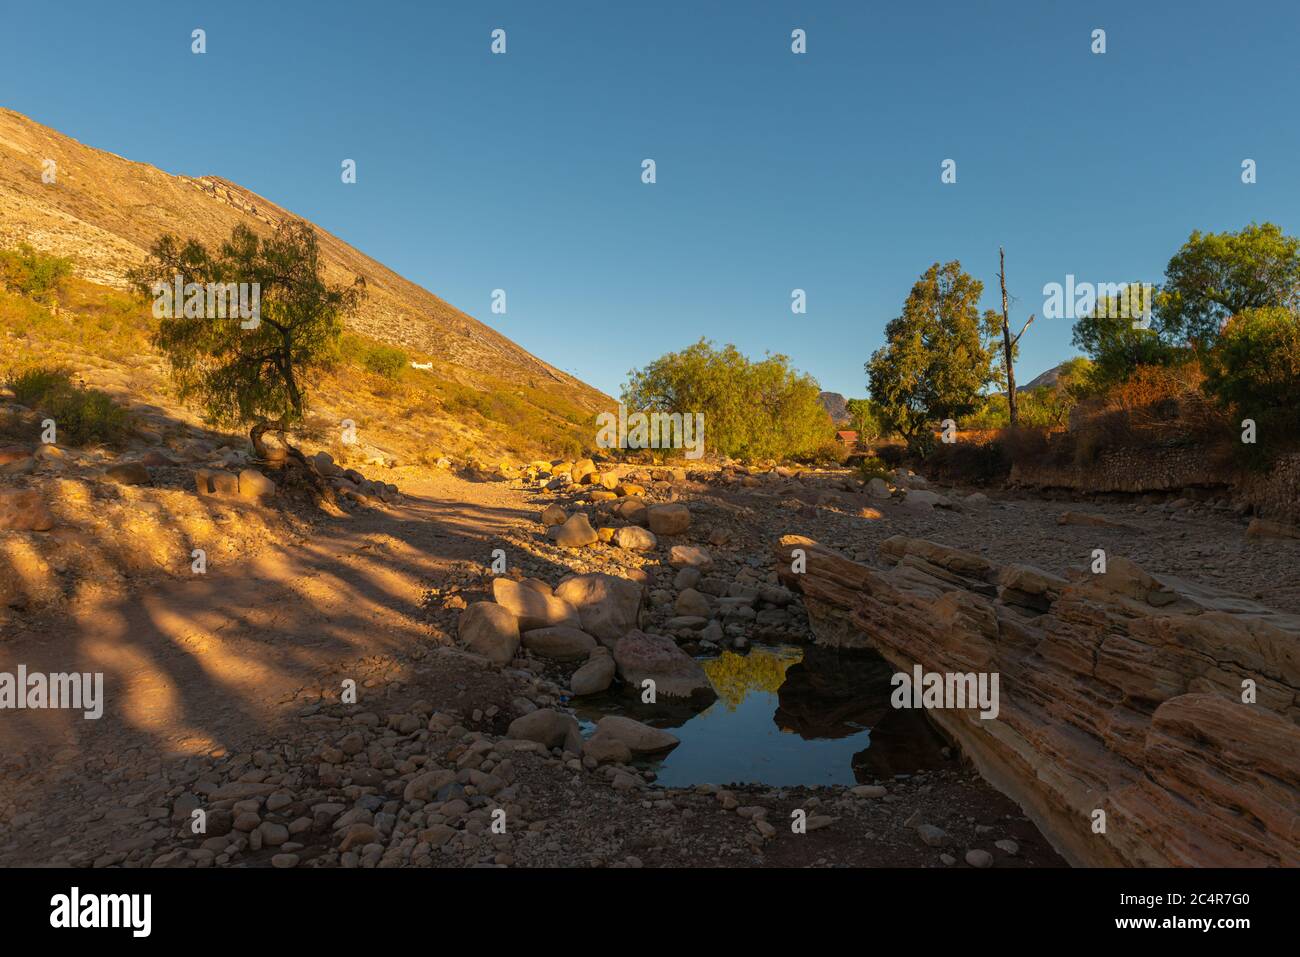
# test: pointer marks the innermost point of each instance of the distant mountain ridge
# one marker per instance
(1048, 378)
(837, 406)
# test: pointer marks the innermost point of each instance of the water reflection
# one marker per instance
(786, 715)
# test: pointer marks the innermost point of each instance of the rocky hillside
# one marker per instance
(104, 211)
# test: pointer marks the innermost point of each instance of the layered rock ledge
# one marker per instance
(1119, 692)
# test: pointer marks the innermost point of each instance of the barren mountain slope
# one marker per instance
(105, 211)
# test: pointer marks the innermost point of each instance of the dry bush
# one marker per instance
(1156, 407)
(970, 462)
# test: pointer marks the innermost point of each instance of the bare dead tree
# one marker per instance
(1008, 343)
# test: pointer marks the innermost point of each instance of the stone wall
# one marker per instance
(1274, 495)
(1119, 693)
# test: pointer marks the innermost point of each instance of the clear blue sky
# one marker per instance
(775, 171)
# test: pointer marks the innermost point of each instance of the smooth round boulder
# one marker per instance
(574, 533)
(671, 519)
(559, 643)
(533, 605)
(692, 556)
(549, 728)
(692, 602)
(604, 749)
(635, 538)
(254, 486)
(640, 656)
(607, 606)
(490, 630)
(595, 676)
(127, 473)
(640, 738)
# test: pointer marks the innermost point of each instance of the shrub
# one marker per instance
(891, 454)
(872, 466)
(81, 415)
(33, 274)
(972, 463)
(386, 361)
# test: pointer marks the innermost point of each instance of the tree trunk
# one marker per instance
(259, 429)
(1006, 340)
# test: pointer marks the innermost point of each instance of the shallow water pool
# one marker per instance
(785, 715)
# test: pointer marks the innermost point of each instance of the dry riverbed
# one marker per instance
(224, 694)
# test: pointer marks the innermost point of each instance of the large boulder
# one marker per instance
(639, 738)
(606, 750)
(254, 486)
(632, 511)
(692, 602)
(24, 510)
(693, 556)
(607, 606)
(547, 727)
(878, 488)
(560, 643)
(671, 519)
(596, 675)
(489, 630)
(634, 538)
(923, 499)
(1263, 528)
(676, 674)
(127, 473)
(533, 604)
(216, 482)
(428, 783)
(574, 533)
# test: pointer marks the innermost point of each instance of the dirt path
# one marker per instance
(191, 666)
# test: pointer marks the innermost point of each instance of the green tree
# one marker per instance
(238, 372)
(1254, 368)
(752, 410)
(867, 419)
(1118, 343)
(938, 355)
(1218, 275)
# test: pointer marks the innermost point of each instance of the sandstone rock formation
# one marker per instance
(1114, 696)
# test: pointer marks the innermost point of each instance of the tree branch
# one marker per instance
(1022, 330)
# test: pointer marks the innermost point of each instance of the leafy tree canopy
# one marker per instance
(242, 373)
(1218, 275)
(763, 409)
(938, 355)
